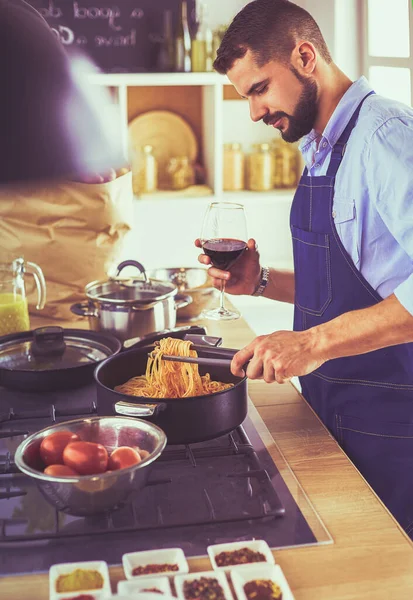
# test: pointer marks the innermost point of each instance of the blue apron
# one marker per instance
(365, 401)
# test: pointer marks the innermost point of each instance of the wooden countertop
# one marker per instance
(371, 557)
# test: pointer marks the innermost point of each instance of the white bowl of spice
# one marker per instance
(203, 586)
(261, 582)
(236, 554)
(168, 561)
(77, 578)
(154, 585)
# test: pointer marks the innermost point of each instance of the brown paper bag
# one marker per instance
(73, 231)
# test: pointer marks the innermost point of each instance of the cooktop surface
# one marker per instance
(227, 489)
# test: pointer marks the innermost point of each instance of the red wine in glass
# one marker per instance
(224, 252)
(223, 239)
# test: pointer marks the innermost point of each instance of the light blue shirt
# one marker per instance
(373, 199)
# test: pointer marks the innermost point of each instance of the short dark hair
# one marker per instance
(270, 29)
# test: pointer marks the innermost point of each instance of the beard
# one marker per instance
(302, 121)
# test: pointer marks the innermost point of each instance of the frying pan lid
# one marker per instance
(54, 348)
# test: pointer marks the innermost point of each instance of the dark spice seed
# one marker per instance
(204, 588)
(238, 557)
(155, 568)
(262, 589)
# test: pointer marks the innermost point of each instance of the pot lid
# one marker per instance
(130, 291)
(54, 348)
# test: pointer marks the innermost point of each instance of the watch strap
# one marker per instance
(263, 282)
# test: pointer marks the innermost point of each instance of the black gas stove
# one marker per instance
(227, 489)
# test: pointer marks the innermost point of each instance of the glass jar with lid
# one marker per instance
(286, 163)
(260, 168)
(181, 172)
(234, 167)
(144, 171)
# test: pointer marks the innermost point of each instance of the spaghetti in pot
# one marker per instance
(168, 379)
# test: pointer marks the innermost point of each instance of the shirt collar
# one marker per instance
(341, 115)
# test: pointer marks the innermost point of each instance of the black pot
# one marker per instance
(51, 358)
(184, 420)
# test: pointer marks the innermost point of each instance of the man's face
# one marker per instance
(277, 94)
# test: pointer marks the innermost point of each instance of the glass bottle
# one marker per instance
(234, 167)
(166, 58)
(202, 44)
(183, 42)
(145, 171)
(260, 168)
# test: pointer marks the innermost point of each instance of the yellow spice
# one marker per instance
(79, 580)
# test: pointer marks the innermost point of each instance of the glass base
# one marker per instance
(220, 314)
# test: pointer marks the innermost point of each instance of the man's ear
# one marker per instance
(304, 58)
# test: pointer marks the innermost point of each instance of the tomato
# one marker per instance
(52, 446)
(87, 458)
(143, 453)
(60, 471)
(123, 457)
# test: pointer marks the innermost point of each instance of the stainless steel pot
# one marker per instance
(133, 307)
(193, 281)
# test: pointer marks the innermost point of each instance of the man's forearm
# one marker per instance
(280, 286)
(357, 332)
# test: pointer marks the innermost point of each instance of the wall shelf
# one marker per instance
(158, 79)
(164, 225)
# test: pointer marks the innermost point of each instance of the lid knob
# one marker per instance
(48, 341)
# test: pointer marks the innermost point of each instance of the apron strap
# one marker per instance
(340, 146)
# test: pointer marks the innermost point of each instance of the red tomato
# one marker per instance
(60, 471)
(143, 453)
(52, 446)
(123, 457)
(87, 458)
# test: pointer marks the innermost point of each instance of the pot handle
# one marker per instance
(131, 263)
(128, 409)
(182, 300)
(82, 309)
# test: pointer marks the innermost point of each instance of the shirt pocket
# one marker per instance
(345, 221)
(313, 292)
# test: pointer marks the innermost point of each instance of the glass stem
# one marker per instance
(222, 306)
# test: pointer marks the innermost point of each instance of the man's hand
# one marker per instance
(279, 356)
(244, 275)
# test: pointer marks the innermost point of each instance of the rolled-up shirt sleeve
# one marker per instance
(390, 180)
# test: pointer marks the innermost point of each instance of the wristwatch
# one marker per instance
(263, 282)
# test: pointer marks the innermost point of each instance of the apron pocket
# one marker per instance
(312, 271)
(383, 453)
(345, 221)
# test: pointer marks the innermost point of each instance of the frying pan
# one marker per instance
(184, 420)
(53, 358)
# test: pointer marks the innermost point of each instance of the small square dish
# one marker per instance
(154, 563)
(214, 578)
(157, 585)
(90, 595)
(59, 576)
(236, 554)
(270, 578)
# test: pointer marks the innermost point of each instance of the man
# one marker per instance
(352, 230)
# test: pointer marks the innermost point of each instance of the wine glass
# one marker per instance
(223, 239)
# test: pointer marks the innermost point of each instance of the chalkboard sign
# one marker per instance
(122, 36)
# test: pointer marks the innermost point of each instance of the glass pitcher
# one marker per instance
(14, 312)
